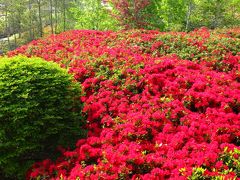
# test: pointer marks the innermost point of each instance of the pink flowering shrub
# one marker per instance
(158, 105)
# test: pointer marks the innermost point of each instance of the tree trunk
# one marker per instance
(15, 40)
(7, 28)
(188, 15)
(64, 15)
(40, 18)
(31, 35)
(56, 15)
(51, 15)
(19, 25)
(217, 15)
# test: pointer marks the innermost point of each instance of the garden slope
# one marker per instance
(158, 104)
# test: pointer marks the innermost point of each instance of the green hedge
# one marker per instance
(40, 109)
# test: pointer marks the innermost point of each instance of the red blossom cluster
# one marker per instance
(150, 114)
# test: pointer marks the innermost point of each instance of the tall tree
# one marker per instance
(64, 14)
(7, 25)
(92, 14)
(190, 6)
(6, 13)
(30, 21)
(56, 16)
(40, 26)
(51, 15)
(129, 12)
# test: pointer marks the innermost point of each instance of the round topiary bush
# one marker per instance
(40, 109)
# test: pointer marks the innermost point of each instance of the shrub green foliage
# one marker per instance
(39, 110)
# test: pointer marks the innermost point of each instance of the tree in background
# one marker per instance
(176, 15)
(131, 13)
(172, 13)
(233, 16)
(12, 17)
(40, 24)
(190, 6)
(215, 13)
(164, 15)
(29, 21)
(92, 14)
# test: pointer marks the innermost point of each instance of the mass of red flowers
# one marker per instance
(158, 105)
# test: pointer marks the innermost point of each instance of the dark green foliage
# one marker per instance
(40, 109)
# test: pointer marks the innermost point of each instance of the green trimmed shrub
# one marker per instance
(40, 108)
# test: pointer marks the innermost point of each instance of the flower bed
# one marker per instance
(158, 105)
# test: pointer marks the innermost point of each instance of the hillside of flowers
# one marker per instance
(158, 105)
